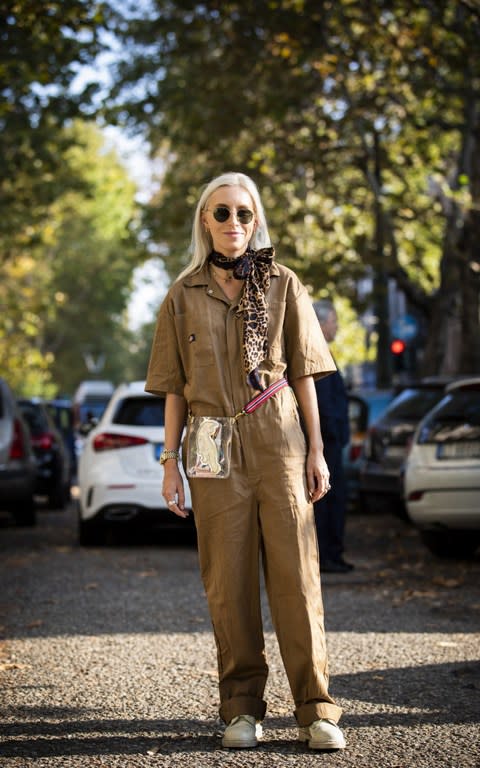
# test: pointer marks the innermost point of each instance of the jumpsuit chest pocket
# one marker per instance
(196, 341)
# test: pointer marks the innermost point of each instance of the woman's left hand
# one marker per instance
(318, 475)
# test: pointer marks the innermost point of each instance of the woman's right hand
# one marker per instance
(172, 489)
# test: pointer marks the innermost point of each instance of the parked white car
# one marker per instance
(442, 472)
(119, 476)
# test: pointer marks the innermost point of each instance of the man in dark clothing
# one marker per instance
(333, 408)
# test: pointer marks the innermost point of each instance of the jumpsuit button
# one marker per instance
(210, 291)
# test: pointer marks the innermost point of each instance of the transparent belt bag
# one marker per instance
(209, 446)
(209, 438)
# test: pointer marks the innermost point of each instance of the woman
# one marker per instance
(233, 325)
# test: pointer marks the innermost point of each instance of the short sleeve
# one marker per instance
(165, 372)
(306, 349)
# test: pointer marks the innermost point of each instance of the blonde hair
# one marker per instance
(201, 244)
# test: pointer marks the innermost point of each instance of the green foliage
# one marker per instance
(69, 222)
(351, 116)
(41, 48)
(358, 120)
(67, 298)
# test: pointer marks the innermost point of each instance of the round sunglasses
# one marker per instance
(221, 213)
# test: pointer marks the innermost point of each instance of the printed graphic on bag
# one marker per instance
(209, 446)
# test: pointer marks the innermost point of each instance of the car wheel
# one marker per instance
(58, 497)
(451, 543)
(368, 503)
(363, 503)
(25, 514)
(90, 533)
(399, 509)
(67, 492)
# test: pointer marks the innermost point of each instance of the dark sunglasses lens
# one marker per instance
(244, 216)
(221, 213)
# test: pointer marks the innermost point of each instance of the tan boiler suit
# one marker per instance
(262, 508)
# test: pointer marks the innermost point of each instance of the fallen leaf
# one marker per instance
(34, 623)
(449, 583)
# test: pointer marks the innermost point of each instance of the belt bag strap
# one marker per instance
(262, 398)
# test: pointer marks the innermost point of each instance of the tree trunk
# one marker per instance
(470, 356)
(453, 340)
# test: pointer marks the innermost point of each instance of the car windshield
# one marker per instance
(377, 405)
(456, 418)
(35, 417)
(62, 416)
(141, 412)
(413, 403)
(93, 408)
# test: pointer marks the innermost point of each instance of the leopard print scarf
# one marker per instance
(254, 268)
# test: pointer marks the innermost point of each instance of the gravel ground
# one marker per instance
(107, 658)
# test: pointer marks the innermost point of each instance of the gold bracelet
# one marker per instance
(165, 455)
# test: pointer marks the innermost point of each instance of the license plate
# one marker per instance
(470, 450)
(158, 448)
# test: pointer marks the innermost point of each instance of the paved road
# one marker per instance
(107, 659)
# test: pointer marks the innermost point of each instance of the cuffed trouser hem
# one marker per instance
(308, 713)
(243, 705)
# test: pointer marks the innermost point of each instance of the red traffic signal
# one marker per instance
(397, 346)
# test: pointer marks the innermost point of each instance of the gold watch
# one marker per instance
(168, 455)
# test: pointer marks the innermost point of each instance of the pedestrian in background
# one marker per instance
(232, 328)
(332, 401)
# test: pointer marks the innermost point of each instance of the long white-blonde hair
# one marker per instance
(201, 244)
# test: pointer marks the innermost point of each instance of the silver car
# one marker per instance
(442, 473)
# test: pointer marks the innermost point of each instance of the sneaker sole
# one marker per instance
(332, 745)
(239, 744)
(323, 745)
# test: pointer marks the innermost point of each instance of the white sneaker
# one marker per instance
(322, 734)
(242, 732)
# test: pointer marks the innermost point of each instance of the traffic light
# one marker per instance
(398, 348)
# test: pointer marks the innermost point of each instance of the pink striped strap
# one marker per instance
(264, 396)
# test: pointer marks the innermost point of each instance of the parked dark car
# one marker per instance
(386, 444)
(53, 461)
(61, 411)
(17, 461)
(364, 407)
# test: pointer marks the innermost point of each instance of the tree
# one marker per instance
(68, 293)
(69, 236)
(358, 120)
(42, 47)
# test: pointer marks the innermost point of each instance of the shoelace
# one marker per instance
(247, 718)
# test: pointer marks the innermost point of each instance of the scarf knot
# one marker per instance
(254, 268)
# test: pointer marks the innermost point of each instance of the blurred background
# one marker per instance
(359, 121)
